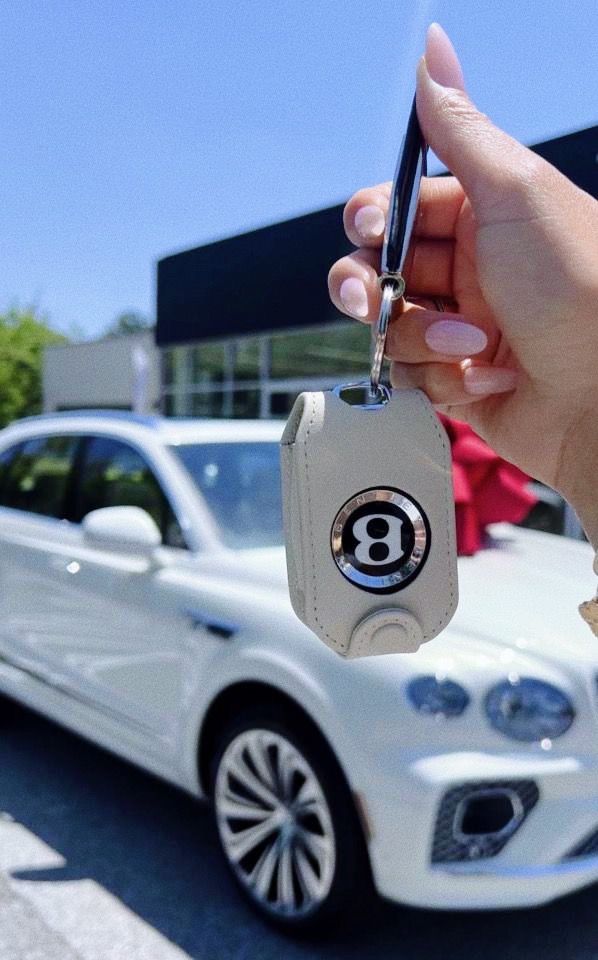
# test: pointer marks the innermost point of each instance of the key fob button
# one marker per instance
(385, 631)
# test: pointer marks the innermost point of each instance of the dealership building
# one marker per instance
(245, 324)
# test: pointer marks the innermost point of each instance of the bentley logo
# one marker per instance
(380, 539)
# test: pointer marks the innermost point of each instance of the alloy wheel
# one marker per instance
(275, 823)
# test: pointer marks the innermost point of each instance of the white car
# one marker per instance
(144, 604)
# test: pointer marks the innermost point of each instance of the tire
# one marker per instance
(308, 864)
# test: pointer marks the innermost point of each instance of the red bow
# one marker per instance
(487, 488)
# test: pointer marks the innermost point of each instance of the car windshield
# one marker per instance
(241, 485)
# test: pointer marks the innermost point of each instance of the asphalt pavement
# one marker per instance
(100, 861)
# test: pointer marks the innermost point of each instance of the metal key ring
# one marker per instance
(393, 288)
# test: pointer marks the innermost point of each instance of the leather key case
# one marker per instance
(369, 521)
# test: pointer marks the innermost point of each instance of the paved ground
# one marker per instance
(99, 861)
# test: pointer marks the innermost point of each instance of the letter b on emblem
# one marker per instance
(378, 539)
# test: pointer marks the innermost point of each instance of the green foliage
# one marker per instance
(23, 337)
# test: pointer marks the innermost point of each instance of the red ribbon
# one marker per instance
(487, 488)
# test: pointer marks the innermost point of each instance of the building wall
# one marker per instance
(119, 372)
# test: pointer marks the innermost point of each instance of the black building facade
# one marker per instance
(246, 323)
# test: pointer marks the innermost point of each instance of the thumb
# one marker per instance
(489, 164)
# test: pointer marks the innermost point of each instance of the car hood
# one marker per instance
(519, 594)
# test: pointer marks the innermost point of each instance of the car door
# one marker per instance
(90, 620)
(34, 481)
(125, 647)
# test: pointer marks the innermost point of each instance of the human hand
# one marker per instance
(511, 247)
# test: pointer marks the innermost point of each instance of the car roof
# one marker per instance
(172, 430)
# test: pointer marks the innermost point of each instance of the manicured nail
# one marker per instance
(369, 222)
(485, 380)
(441, 60)
(455, 339)
(354, 297)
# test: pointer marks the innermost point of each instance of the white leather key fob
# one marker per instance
(369, 520)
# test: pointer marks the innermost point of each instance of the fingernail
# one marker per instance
(441, 60)
(369, 222)
(354, 297)
(455, 338)
(483, 380)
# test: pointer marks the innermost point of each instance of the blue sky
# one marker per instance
(133, 129)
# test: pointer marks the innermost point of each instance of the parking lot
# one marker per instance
(99, 861)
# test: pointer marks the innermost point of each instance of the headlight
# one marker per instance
(529, 710)
(437, 697)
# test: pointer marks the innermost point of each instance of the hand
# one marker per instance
(511, 247)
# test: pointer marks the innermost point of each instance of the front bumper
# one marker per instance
(544, 858)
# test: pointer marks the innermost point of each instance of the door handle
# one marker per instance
(64, 565)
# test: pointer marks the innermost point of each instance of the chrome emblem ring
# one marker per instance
(380, 540)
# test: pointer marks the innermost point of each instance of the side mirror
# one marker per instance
(124, 529)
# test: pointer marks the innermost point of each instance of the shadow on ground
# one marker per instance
(155, 849)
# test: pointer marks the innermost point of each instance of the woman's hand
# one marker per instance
(511, 247)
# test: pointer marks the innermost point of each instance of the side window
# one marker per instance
(37, 478)
(114, 474)
(6, 458)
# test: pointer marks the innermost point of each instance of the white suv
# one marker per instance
(143, 603)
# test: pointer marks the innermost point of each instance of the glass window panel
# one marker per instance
(169, 405)
(168, 367)
(114, 474)
(281, 403)
(38, 477)
(174, 365)
(6, 458)
(207, 404)
(246, 403)
(247, 359)
(207, 363)
(322, 351)
(241, 485)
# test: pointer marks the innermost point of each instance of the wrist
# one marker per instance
(577, 478)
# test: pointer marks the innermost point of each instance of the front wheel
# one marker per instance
(287, 822)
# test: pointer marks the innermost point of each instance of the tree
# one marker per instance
(23, 338)
(128, 323)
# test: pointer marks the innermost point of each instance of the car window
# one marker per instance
(37, 477)
(6, 458)
(114, 474)
(241, 485)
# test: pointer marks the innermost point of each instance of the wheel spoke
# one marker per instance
(239, 769)
(285, 888)
(306, 797)
(319, 846)
(309, 882)
(236, 808)
(261, 761)
(241, 843)
(286, 770)
(262, 873)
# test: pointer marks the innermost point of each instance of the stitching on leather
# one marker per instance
(296, 585)
(425, 404)
(311, 542)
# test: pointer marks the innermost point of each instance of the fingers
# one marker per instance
(440, 200)
(453, 384)
(353, 280)
(497, 172)
(427, 336)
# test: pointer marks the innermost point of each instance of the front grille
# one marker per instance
(587, 848)
(452, 844)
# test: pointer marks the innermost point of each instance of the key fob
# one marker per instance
(369, 520)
